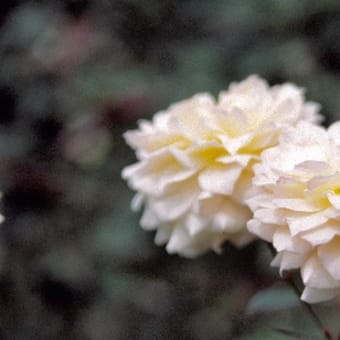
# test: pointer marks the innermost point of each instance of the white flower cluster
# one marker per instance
(195, 162)
(255, 157)
(297, 206)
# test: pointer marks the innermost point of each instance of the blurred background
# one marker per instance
(74, 75)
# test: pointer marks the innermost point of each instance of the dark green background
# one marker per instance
(74, 75)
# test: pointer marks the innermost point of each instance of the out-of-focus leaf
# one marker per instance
(272, 299)
(290, 333)
(120, 239)
(265, 333)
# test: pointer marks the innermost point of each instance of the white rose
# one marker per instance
(297, 206)
(195, 162)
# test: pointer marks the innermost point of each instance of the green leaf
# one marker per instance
(290, 333)
(272, 299)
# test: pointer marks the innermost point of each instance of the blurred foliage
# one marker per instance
(74, 75)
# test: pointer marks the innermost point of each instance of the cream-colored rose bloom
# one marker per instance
(296, 206)
(195, 162)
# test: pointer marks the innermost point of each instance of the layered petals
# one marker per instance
(196, 159)
(296, 206)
